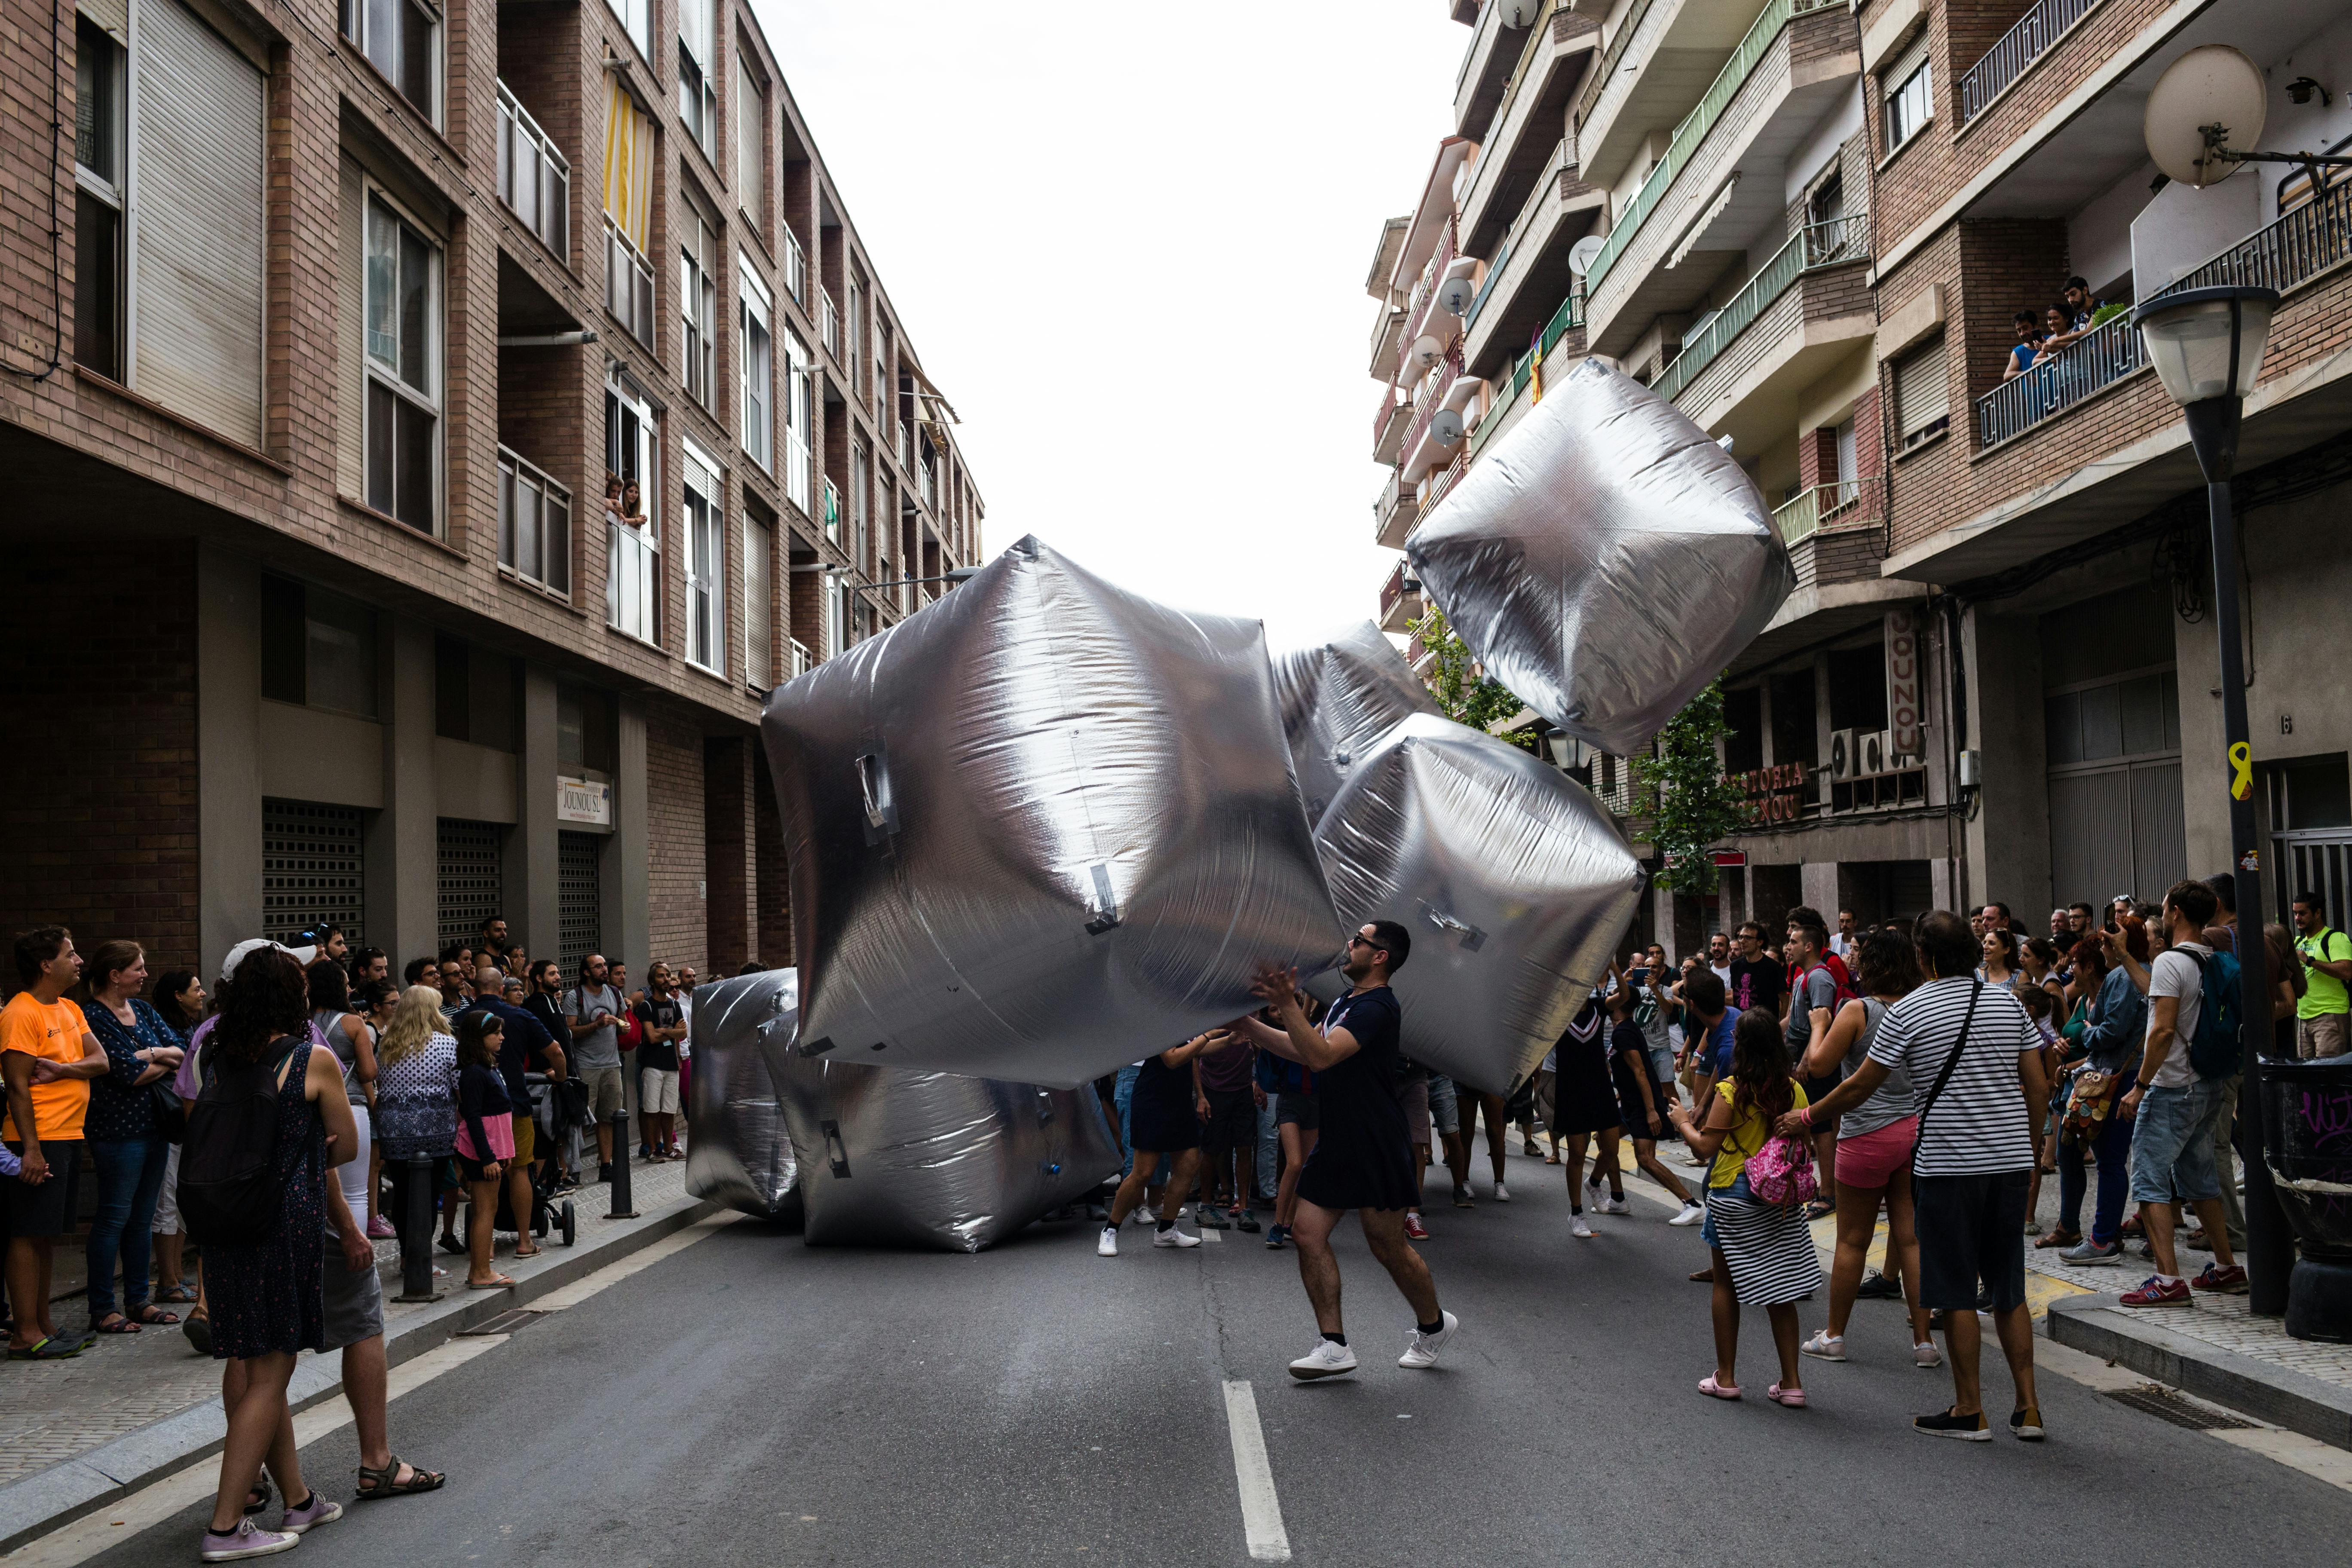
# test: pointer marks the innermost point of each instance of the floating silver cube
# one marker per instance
(741, 1153)
(1339, 695)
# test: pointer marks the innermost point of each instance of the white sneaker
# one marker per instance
(248, 1540)
(1422, 1350)
(1825, 1346)
(1502, 1193)
(1577, 1228)
(1171, 1236)
(1926, 1356)
(1613, 1205)
(1326, 1360)
(1142, 1216)
(1108, 1245)
(1692, 1214)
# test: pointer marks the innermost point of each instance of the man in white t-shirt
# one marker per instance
(1845, 939)
(1718, 957)
(2174, 1111)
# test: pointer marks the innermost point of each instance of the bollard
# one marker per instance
(622, 1206)
(416, 1234)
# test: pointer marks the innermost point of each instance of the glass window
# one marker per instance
(697, 300)
(859, 527)
(401, 40)
(755, 357)
(799, 423)
(1910, 101)
(318, 648)
(697, 92)
(404, 380)
(704, 526)
(638, 18)
(98, 199)
(633, 489)
(751, 143)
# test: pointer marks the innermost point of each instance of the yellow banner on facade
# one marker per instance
(628, 165)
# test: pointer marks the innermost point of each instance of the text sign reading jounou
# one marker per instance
(1903, 682)
(583, 800)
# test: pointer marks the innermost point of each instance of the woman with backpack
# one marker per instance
(253, 1182)
(485, 1137)
(1873, 1148)
(1762, 1249)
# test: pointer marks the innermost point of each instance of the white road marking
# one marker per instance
(1261, 1510)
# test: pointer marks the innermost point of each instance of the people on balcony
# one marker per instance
(2027, 347)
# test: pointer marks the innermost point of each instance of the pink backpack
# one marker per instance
(1782, 1172)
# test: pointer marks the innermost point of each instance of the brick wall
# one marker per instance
(678, 918)
(728, 849)
(773, 892)
(97, 782)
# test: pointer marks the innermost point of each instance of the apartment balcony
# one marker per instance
(1744, 370)
(1399, 602)
(1438, 483)
(1529, 273)
(1443, 387)
(534, 178)
(534, 525)
(1560, 345)
(1656, 66)
(2035, 34)
(1485, 70)
(1724, 176)
(1390, 421)
(801, 660)
(1424, 318)
(1388, 340)
(1517, 142)
(1394, 514)
(628, 284)
(1835, 532)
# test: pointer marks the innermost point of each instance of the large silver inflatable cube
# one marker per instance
(1339, 697)
(741, 1153)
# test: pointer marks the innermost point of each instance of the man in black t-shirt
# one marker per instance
(1363, 1159)
(665, 1027)
(1757, 981)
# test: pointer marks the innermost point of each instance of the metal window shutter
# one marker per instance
(2159, 829)
(1899, 69)
(310, 868)
(467, 881)
(579, 906)
(1921, 397)
(197, 222)
(351, 369)
(114, 15)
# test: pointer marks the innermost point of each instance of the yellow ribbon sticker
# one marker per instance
(2241, 771)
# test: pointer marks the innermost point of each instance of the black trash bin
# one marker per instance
(2307, 1110)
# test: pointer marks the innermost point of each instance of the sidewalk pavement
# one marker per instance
(74, 1434)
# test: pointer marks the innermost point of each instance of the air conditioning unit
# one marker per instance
(1873, 752)
(1841, 755)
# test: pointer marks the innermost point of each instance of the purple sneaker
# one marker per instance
(248, 1540)
(312, 1514)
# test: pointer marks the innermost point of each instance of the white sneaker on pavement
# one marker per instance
(1108, 1245)
(1926, 1356)
(1577, 1228)
(248, 1540)
(1326, 1360)
(1692, 1214)
(1172, 1236)
(1502, 1193)
(1825, 1346)
(1613, 1205)
(1422, 1350)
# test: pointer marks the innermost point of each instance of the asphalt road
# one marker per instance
(752, 1401)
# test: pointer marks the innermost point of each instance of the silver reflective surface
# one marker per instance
(1606, 560)
(1338, 696)
(1038, 822)
(1514, 881)
(892, 1157)
(739, 1152)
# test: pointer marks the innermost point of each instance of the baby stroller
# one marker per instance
(546, 1211)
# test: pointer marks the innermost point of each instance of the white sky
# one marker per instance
(1130, 243)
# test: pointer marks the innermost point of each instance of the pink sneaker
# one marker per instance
(2159, 1292)
(380, 1229)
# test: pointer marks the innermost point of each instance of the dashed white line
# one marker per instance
(1260, 1508)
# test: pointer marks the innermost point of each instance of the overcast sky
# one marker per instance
(1129, 244)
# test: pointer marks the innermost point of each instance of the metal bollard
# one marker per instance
(623, 1208)
(416, 1234)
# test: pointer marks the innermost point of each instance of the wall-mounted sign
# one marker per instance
(1730, 859)
(583, 800)
(1903, 682)
(1777, 794)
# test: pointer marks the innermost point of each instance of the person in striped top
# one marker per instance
(1974, 1064)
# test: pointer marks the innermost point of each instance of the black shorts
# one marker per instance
(53, 1208)
(1971, 1228)
(1233, 1119)
(1304, 1109)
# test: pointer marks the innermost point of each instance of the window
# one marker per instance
(534, 524)
(755, 356)
(795, 266)
(633, 562)
(856, 356)
(318, 649)
(1922, 402)
(750, 142)
(697, 305)
(404, 368)
(837, 613)
(401, 40)
(860, 545)
(98, 199)
(475, 695)
(705, 527)
(1910, 94)
(798, 415)
(698, 91)
(628, 212)
(758, 611)
(638, 18)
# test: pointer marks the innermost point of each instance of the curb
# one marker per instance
(2098, 1326)
(64, 1492)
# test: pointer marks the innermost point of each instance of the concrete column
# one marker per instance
(403, 841)
(2009, 838)
(529, 872)
(628, 892)
(228, 755)
(1818, 880)
(730, 920)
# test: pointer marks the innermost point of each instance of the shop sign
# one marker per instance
(583, 800)
(1903, 683)
(1776, 793)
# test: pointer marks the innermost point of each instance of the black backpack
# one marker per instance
(228, 1155)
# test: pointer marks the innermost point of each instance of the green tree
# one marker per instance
(1696, 804)
(1457, 685)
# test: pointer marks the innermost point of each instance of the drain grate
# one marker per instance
(504, 1323)
(2166, 1406)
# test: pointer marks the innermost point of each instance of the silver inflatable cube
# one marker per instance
(741, 1153)
(1606, 559)
(1339, 695)
(1036, 823)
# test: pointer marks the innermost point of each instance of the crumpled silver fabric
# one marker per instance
(894, 1157)
(1606, 559)
(1338, 696)
(1515, 882)
(741, 1153)
(1036, 823)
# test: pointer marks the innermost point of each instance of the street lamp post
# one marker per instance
(2207, 347)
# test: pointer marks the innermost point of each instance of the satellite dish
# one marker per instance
(1445, 426)
(1521, 13)
(1455, 295)
(1584, 253)
(1427, 351)
(2216, 86)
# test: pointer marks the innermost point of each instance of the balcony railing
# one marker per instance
(1393, 590)
(1567, 318)
(802, 659)
(1519, 229)
(628, 284)
(1418, 304)
(535, 179)
(631, 577)
(2293, 251)
(796, 267)
(2018, 49)
(1391, 405)
(1436, 487)
(829, 321)
(1841, 239)
(1696, 124)
(2057, 382)
(534, 524)
(1840, 502)
(1430, 396)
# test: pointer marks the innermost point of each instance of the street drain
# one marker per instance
(2166, 1406)
(504, 1323)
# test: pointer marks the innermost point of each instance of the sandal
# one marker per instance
(1714, 1390)
(1703, 1277)
(114, 1324)
(533, 1252)
(148, 1313)
(179, 1293)
(1819, 1208)
(2060, 1238)
(375, 1484)
(51, 1349)
(495, 1282)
